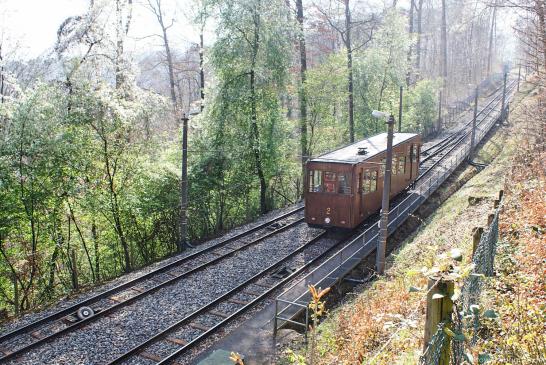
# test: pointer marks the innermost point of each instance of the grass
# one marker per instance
(384, 324)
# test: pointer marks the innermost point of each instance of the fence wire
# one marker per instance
(434, 349)
(466, 316)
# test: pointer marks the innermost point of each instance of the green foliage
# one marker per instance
(421, 107)
(379, 71)
(245, 133)
(73, 179)
(326, 90)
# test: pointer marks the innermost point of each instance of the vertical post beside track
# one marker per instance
(439, 112)
(384, 221)
(503, 114)
(473, 136)
(400, 110)
(519, 75)
(184, 186)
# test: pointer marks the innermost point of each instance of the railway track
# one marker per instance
(497, 96)
(448, 144)
(194, 328)
(16, 342)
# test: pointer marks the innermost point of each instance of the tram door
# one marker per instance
(414, 160)
(360, 193)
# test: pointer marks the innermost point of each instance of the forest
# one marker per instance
(91, 133)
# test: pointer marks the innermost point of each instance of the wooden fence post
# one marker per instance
(439, 309)
(476, 237)
(497, 202)
(490, 218)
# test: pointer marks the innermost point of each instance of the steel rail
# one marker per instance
(497, 94)
(141, 294)
(459, 140)
(73, 308)
(203, 310)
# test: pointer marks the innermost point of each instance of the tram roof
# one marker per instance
(373, 145)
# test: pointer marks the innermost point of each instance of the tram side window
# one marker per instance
(383, 164)
(366, 182)
(373, 181)
(394, 165)
(402, 165)
(344, 186)
(369, 181)
(414, 152)
(329, 182)
(315, 181)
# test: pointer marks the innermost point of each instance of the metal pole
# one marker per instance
(383, 223)
(439, 112)
(400, 110)
(275, 322)
(504, 97)
(184, 187)
(519, 75)
(473, 136)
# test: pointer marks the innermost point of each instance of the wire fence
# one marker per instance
(432, 353)
(466, 316)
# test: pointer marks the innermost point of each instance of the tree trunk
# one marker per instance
(114, 208)
(119, 45)
(539, 4)
(2, 97)
(254, 116)
(419, 35)
(202, 68)
(159, 15)
(53, 265)
(96, 248)
(303, 100)
(444, 45)
(491, 31)
(348, 46)
(82, 239)
(408, 76)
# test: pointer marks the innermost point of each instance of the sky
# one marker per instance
(33, 24)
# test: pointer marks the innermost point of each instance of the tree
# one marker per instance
(345, 31)
(301, 93)
(250, 60)
(122, 28)
(157, 9)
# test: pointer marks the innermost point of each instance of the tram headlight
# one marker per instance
(327, 220)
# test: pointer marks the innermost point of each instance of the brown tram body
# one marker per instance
(345, 186)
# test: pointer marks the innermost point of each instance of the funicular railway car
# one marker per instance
(345, 186)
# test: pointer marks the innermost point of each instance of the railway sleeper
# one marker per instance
(199, 326)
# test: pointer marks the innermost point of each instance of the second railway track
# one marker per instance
(37, 333)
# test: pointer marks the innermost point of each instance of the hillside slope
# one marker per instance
(384, 324)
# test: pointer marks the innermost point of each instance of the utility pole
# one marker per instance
(400, 110)
(504, 98)
(439, 126)
(519, 75)
(473, 135)
(184, 187)
(384, 221)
